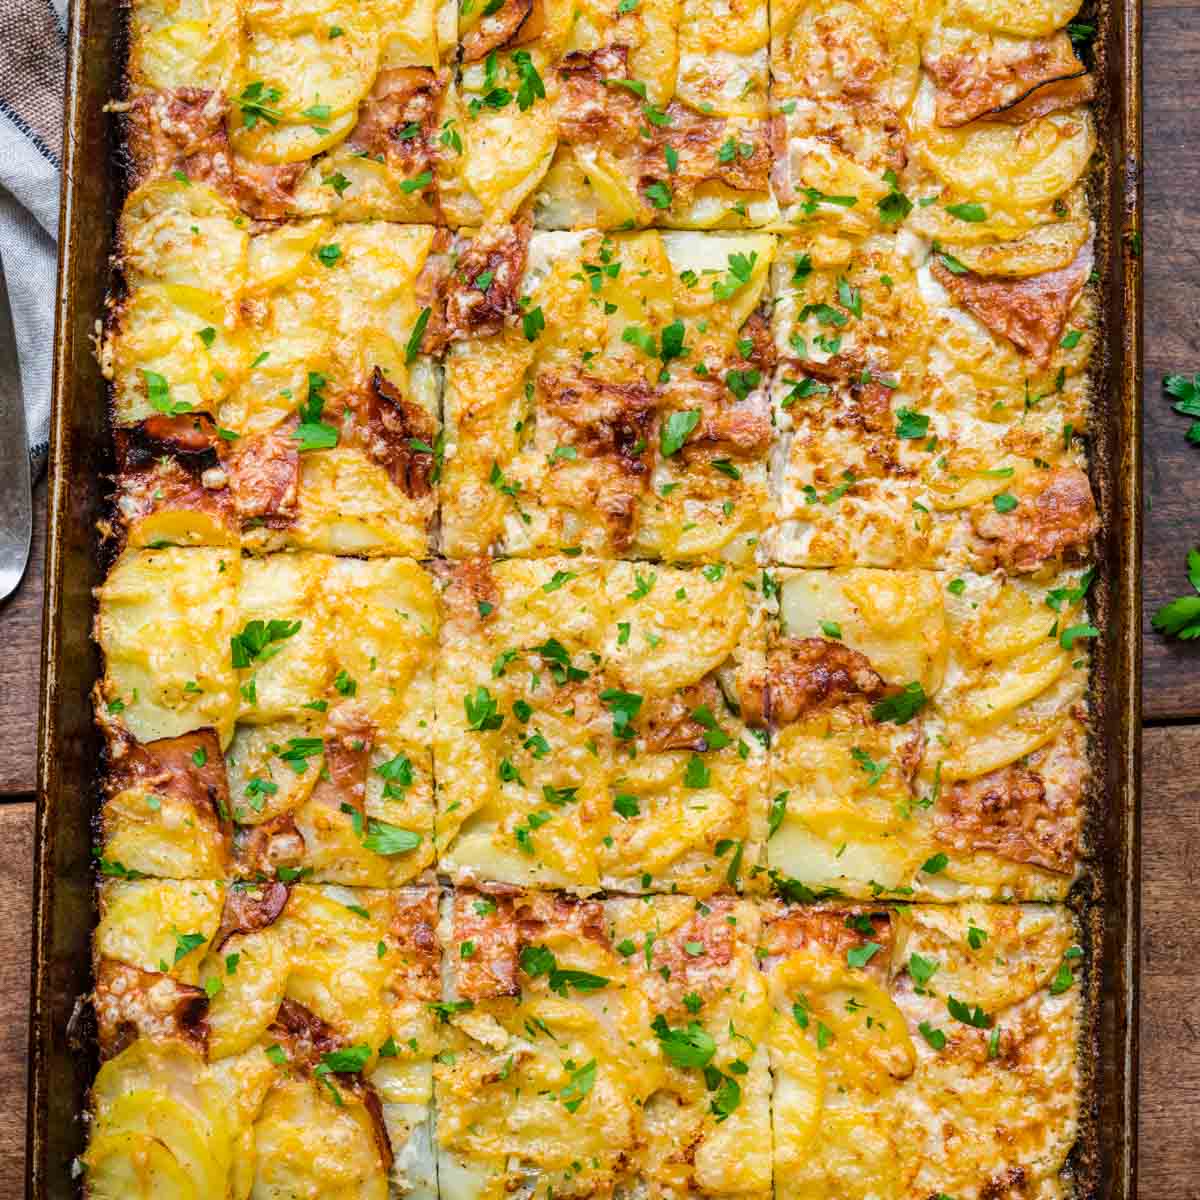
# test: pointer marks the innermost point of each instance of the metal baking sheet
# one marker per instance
(61, 1053)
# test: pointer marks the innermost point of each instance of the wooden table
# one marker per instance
(1170, 1133)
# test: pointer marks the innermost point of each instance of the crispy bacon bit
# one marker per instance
(781, 171)
(697, 141)
(804, 674)
(398, 120)
(303, 1035)
(469, 584)
(1031, 312)
(374, 1107)
(757, 330)
(387, 424)
(261, 849)
(167, 485)
(609, 424)
(743, 432)
(668, 724)
(873, 408)
(687, 971)
(184, 130)
(168, 767)
(589, 109)
(180, 130)
(481, 293)
(249, 909)
(266, 190)
(487, 921)
(496, 29)
(539, 911)
(264, 474)
(305, 1038)
(1008, 74)
(1051, 97)
(1012, 813)
(414, 927)
(131, 1003)
(831, 931)
(1059, 521)
(185, 435)
(349, 734)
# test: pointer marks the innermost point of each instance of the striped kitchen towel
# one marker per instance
(32, 70)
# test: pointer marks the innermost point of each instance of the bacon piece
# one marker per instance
(1058, 521)
(184, 130)
(131, 1003)
(668, 724)
(804, 674)
(466, 307)
(349, 734)
(181, 129)
(387, 424)
(580, 918)
(1012, 813)
(496, 29)
(873, 408)
(697, 141)
(167, 766)
(264, 474)
(266, 190)
(414, 927)
(589, 109)
(402, 98)
(487, 921)
(1030, 312)
(781, 171)
(743, 432)
(609, 424)
(303, 1036)
(833, 932)
(1007, 74)
(756, 329)
(261, 849)
(185, 435)
(250, 908)
(167, 485)
(469, 584)
(1050, 97)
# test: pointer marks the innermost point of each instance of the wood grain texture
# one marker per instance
(1171, 241)
(16, 890)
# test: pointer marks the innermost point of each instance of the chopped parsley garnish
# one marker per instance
(260, 641)
(903, 706)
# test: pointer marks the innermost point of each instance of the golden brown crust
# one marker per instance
(264, 476)
(189, 768)
(131, 1003)
(1058, 522)
(972, 85)
(805, 674)
(609, 425)
(590, 109)
(1027, 812)
(832, 931)
(1031, 312)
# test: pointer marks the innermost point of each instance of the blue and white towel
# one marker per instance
(32, 70)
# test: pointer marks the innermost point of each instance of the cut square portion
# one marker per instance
(609, 1046)
(909, 434)
(328, 772)
(588, 728)
(163, 623)
(927, 735)
(294, 108)
(277, 393)
(608, 393)
(263, 1038)
(969, 1016)
(652, 113)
